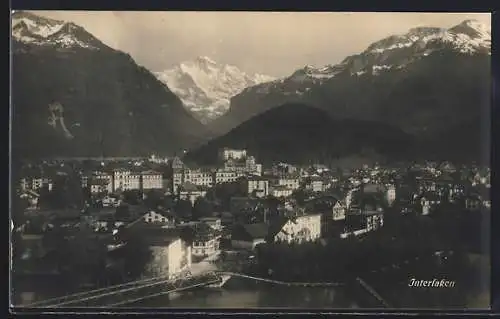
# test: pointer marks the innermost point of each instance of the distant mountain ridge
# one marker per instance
(300, 134)
(72, 95)
(205, 87)
(424, 82)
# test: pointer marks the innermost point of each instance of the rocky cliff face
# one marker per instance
(74, 96)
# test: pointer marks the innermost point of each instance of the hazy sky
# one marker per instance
(274, 43)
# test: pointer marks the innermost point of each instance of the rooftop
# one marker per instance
(209, 218)
(158, 236)
(280, 187)
(256, 178)
(367, 212)
(259, 230)
(99, 181)
(373, 188)
(150, 172)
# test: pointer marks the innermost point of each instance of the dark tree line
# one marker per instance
(66, 192)
(402, 238)
(134, 256)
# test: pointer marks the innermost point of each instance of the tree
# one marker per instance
(154, 199)
(67, 192)
(122, 212)
(225, 191)
(45, 199)
(136, 253)
(132, 196)
(169, 202)
(272, 203)
(75, 191)
(87, 195)
(187, 234)
(212, 194)
(85, 255)
(300, 196)
(202, 208)
(19, 205)
(184, 208)
(58, 198)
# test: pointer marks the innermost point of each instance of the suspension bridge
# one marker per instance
(284, 283)
(136, 291)
(133, 292)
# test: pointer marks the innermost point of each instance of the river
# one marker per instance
(245, 294)
(236, 293)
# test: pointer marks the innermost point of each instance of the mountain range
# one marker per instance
(424, 94)
(424, 82)
(72, 95)
(205, 86)
(301, 134)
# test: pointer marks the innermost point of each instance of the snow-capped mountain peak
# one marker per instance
(466, 37)
(313, 74)
(205, 60)
(397, 51)
(34, 24)
(29, 28)
(474, 29)
(424, 31)
(395, 54)
(206, 87)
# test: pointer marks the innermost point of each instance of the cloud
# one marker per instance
(275, 43)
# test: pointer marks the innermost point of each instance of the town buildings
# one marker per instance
(191, 192)
(35, 183)
(124, 179)
(281, 191)
(289, 181)
(228, 153)
(284, 169)
(391, 195)
(206, 240)
(235, 164)
(252, 167)
(365, 214)
(171, 255)
(298, 229)
(226, 175)
(214, 222)
(132, 180)
(315, 184)
(248, 236)
(339, 211)
(151, 180)
(252, 217)
(157, 218)
(31, 197)
(256, 186)
(199, 177)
